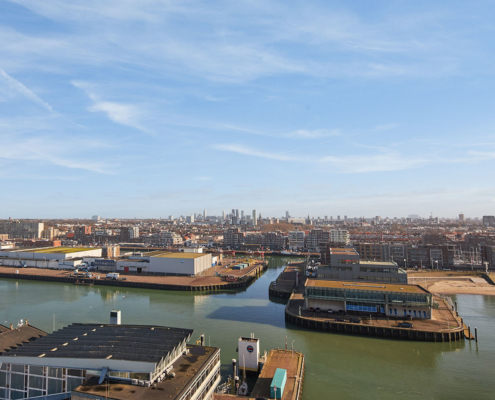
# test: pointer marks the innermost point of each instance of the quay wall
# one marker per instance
(139, 285)
(375, 331)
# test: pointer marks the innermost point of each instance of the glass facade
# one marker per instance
(370, 301)
(22, 381)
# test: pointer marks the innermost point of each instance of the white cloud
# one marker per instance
(20, 88)
(388, 161)
(120, 113)
(53, 151)
(314, 134)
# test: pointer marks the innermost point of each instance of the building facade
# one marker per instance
(391, 300)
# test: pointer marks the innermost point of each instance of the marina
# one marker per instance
(216, 279)
(350, 366)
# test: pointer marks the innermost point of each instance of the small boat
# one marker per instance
(83, 283)
(243, 389)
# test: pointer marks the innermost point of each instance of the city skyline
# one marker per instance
(130, 110)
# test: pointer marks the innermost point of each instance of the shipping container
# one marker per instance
(278, 383)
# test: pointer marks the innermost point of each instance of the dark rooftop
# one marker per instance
(96, 341)
(17, 337)
(186, 368)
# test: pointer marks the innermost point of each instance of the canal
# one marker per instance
(337, 366)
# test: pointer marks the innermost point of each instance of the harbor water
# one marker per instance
(337, 366)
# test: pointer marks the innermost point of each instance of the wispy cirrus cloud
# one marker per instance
(314, 134)
(386, 161)
(120, 113)
(23, 90)
(50, 150)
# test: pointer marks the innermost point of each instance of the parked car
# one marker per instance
(311, 309)
(340, 319)
(355, 320)
(330, 311)
(317, 309)
(405, 325)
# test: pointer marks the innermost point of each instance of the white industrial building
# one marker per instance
(167, 263)
(49, 257)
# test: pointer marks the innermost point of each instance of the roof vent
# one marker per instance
(115, 317)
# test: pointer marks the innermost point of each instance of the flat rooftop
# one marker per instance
(96, 341)
(385, 263)
(343, 250)
(351, 285)
(56, 250)
(186, 369)
(181, 255)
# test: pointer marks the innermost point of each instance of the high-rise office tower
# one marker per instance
(255, 218)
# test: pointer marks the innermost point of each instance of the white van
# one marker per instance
(113, 275)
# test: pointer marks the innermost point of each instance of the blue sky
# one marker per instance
(149, 108)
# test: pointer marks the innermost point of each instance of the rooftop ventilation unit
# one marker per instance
(115, 317)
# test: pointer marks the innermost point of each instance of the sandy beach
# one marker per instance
(453, 284)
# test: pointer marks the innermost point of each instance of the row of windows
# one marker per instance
(342, 261)
(415, 314)
(378, 270)
(21, 381)
(199, 381)
(367, 295)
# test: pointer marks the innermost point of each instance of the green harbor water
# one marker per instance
(337, 366)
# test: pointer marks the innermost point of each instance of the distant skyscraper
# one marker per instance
(462, 218)
(223, 214)
(204, 214)
(338, 217)
(287, 215)
(237, 214)
(171, 217)
(242, 215)
(255, 218)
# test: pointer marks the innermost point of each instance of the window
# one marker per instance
(55, 372)
(395, 311)
(424, 314)
(17, 368)
(55, 386)
(14, 394)
(17, 381)
(37, 382)
(3, 379)
(35, 393)
(72, 383)
(33, 370)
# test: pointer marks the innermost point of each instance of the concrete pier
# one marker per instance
(155, 282)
